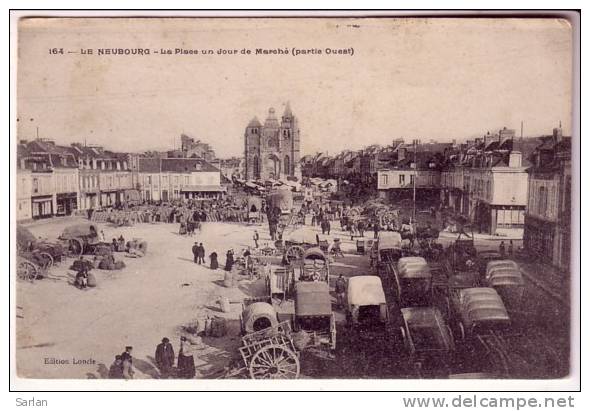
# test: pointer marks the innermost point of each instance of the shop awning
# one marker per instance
(203, 188)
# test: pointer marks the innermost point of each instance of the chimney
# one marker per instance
(515, 159)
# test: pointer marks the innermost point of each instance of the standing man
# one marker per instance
(323, 226)
(256, 238)
(340, 291)
(511, 249)
(361, 228)
(201, 254)
(376, 229)
(165, 357)
(195, 252)
(127, 361)
(502, 249)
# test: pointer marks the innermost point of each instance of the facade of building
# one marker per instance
(272, 151)
(23, 194)
(42, 195)
(66, 180)
(496, 195)
(48, 177)
(485, 180)
(548, 215)
(167, 179)
(105, 177)
(397, 180)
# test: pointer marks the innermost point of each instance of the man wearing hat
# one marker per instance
(165, 357)
(127, 363)
(196, 250)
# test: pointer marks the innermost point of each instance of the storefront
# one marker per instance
(67, 203)
(88, 200)
(132, 197)
(42, 207)
(488, 218)
(109, 198)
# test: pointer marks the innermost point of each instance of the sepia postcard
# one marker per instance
(339, 200)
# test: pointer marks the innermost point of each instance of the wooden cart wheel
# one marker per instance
(47, 260)
(295, 252)
(27, 271)
(274, 362)
(75, 247)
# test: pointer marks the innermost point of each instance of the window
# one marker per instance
(35, 185)
(149, 180)
(542, 201)
(384, 180)
(287, 165)
(402, 179)
(412, 179)
(186, 180)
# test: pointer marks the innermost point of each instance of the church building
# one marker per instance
(272, 150)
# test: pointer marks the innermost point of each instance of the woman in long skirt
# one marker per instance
(214, 264)
(229, 260)
(186, 360)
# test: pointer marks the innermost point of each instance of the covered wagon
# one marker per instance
(366, 309)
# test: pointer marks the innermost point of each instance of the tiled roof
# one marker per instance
(181, 165)
(149, 165)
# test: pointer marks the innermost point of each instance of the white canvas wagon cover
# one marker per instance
(365, 290)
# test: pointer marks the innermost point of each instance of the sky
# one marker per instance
(438, 79)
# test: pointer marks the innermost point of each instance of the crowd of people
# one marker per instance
(229, 209)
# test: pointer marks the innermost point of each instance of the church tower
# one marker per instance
(271, 151)
(290, 153)
(252, 149)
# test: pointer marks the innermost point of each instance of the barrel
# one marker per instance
(228, 279)
(258, 316)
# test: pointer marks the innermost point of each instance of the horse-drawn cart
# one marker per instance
(267, 350)
(270, 353)
(35, 257)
